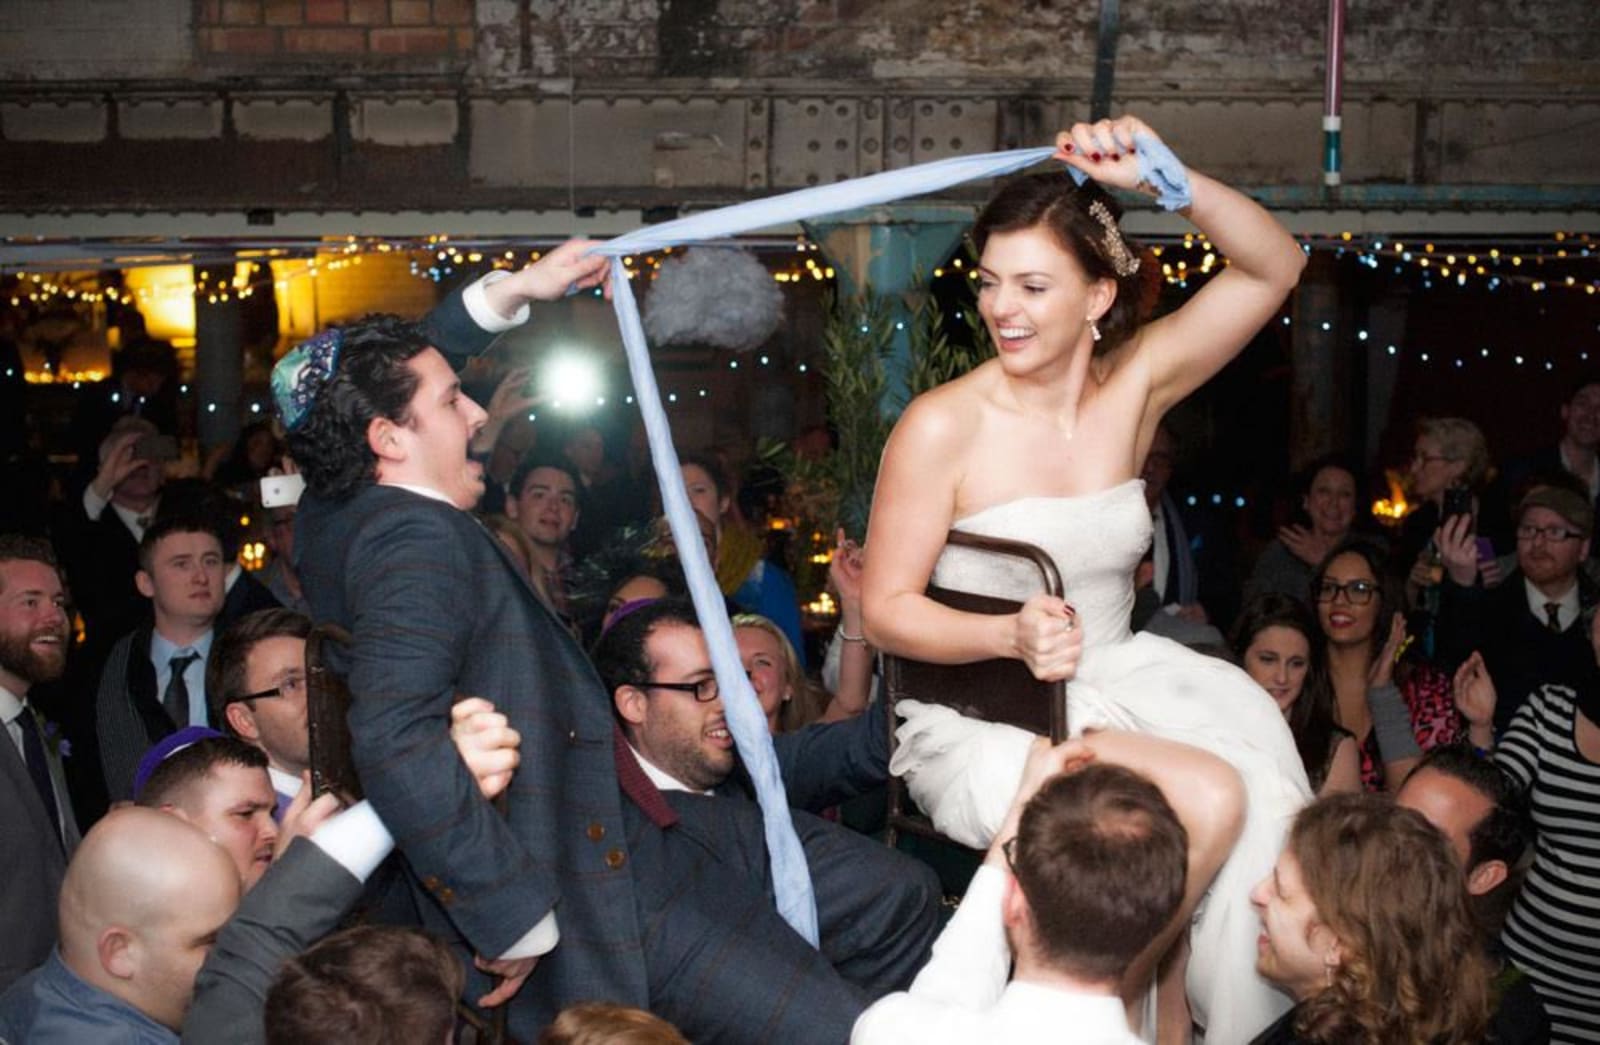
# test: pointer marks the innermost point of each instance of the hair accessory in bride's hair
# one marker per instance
(1116, 248)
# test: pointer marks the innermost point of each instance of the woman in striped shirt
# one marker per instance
(1552, 751)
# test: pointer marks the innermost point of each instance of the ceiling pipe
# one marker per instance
(1333, 96)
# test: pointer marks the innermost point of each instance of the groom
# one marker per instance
(552, 893)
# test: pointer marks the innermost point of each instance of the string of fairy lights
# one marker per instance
(1536, 265)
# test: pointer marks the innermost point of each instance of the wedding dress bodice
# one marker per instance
(1095, 539)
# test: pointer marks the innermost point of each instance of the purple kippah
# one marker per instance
(631, 606)
(164, 749)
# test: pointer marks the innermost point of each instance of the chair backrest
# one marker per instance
(328, 715)
(999, 690)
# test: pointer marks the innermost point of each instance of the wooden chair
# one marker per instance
(999, 690)
(332, 769)
(328, 716)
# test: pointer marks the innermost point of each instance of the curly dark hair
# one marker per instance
(1054, 201)
(370, 380)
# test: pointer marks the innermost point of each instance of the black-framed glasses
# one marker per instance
(1356, 593)
(1551, 534)
(705, 691)
(289, 684)
(1008, 849)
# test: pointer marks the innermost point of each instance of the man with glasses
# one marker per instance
(256, 683)
(1533, 628)
(876, 908)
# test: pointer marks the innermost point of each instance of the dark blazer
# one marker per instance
(128, 712)
(436, 610)
(1520, 651)
(100, 557)
(245, 597)
(828, 763)
(678, 919)
(33, 859)
(297, 902)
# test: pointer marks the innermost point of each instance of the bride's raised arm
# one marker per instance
(912, 510)
(1184, 349)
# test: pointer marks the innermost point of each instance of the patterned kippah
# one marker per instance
(300, 375)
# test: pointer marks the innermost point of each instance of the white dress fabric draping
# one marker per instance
(963, 772)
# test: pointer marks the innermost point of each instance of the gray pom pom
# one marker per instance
(719, 296)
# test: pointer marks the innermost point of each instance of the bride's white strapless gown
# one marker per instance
(963, 772)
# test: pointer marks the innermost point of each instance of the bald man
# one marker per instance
(142, 901)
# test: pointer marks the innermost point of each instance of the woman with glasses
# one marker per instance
(1279, 644)
(1395, 705)
(1450, 453)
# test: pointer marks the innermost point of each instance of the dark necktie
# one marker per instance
(176, 698)
(38, 766)
(1552, 613)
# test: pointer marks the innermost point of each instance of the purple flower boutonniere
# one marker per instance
(56, 741)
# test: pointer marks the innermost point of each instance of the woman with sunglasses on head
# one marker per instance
(1396, 705)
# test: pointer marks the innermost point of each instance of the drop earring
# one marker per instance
(1094, 329)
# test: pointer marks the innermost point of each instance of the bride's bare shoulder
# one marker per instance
(944, 415)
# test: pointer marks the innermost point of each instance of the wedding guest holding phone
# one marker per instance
(1527, 628)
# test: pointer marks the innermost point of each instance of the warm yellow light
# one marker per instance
(166, 300)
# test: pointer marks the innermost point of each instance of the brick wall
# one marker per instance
(423, 34)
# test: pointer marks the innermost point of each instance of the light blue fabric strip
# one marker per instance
(1159, 166)
(824, 199)
(746, 721)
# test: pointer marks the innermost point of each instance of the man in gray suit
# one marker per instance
(877, 908)
(36, 818)
(554, 892)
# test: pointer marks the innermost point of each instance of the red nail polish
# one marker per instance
(1116, 156)
(1067, 147)
(1095, 156)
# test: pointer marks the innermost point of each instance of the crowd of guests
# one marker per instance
(172, 871)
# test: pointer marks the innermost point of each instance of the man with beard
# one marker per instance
(1528, 629)
(36, 819)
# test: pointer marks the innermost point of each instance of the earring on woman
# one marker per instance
(1094, 329)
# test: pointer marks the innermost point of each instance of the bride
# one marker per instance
(1042, 444)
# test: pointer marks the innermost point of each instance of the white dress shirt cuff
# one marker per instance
(94, 505)
(356, 838)
(483, 314)
(541, 939)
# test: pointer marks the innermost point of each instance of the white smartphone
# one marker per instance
(282, 491)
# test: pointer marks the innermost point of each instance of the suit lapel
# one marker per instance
(15, 772)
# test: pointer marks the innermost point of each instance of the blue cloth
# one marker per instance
(1159, 166)
(746, 721)
(770, 592)
(53, 1006)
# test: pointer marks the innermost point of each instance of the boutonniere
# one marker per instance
(54, 739)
